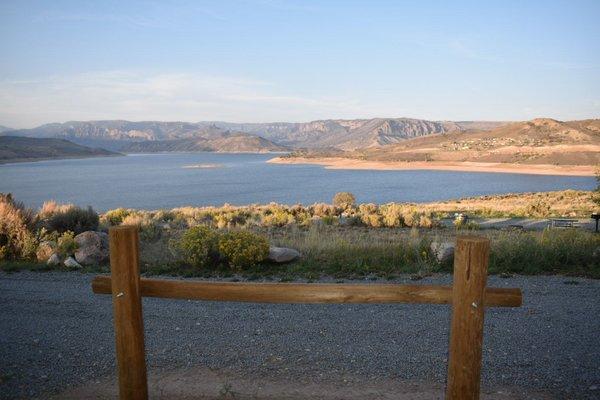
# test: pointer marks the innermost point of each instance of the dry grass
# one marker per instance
(565, 203)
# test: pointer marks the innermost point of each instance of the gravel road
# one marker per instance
(55, 334)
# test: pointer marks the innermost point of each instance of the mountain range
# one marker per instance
(539, 141)
(335, 134)
(353, 134)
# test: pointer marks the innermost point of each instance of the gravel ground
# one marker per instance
(55, 334)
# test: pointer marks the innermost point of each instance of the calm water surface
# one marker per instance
(152, 181)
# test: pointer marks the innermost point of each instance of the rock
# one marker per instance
(53, 260)
(45, 250)
(71, 263)
(443, 251)
(282, 254)
(92, 248)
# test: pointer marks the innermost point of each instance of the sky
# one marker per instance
(265, 61)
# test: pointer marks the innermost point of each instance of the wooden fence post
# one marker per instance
(127, 309)
(466, 330)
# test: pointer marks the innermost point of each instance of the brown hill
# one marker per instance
(14, 149)
(540, 141)
(225, 142)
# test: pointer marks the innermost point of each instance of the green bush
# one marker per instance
(16, 224)
(116, 216)
(74, 219)
(278, 217)
(199, 246)
(243, 249)
(66, 244)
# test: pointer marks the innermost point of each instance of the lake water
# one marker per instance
(152, 181)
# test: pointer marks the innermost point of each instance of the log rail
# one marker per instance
(308, 293)
(468, 296)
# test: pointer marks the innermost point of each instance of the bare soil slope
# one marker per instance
(540, 141)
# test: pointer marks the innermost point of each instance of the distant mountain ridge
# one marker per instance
(338, 134)
(17, 148)
(227, 142)
(352, 134)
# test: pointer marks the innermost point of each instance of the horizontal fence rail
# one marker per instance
(469, 296)
(307, 292)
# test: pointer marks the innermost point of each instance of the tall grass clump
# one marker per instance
(568, 251)
(16, 225)
(357, 252)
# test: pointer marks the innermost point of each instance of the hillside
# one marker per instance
(5, 128)
(339, 134)
(13, 149)
(539, 146)
(352, 134)
(540, 141)
(227, 142)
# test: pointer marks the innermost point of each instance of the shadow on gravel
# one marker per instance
(208, 384)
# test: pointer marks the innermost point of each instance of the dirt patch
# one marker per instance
(497, 167)
(202, 383)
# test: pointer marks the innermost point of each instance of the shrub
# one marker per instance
(538, 209)
(279, 217)
(344, 200)
(321, 209)
(74, 219)
(392, 215)
(149, 230)
(66, 244)
(199, 246)
(115, 217)
(243, 249)
(16, 223)
(51, 207)
(410, 217)
(369, 215)
(426, 221)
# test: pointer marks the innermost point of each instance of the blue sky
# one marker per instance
(260, 61)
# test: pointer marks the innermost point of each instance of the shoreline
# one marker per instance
(466, 166)
(32, 160)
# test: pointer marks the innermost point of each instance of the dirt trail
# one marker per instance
(208, 384)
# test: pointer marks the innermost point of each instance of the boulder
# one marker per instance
(45, 250)
(443, 251)
(92, 248)
(53, 260)
(71, 263)
(282, 254)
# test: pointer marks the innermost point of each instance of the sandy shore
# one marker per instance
(348, 163)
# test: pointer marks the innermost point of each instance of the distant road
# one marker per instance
(55, 334)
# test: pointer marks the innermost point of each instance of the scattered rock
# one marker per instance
(282, 254)
(443, 251)
(92, 248)
(54, 259)
(45, 250)
(71, 263)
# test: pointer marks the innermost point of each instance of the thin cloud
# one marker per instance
(136, 95)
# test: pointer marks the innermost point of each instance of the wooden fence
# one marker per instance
(468, 296)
